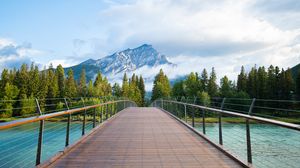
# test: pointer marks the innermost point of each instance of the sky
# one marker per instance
(193, 34)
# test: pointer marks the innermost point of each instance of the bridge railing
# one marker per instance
(252, 140)
(56, 125)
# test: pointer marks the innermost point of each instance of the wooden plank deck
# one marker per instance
(144, 137)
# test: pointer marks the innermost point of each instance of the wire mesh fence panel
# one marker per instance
(18, 145)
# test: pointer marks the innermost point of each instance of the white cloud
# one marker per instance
(13, 54)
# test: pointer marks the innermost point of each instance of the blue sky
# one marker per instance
(192, 33)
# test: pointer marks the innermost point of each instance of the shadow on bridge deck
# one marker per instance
(144, 137)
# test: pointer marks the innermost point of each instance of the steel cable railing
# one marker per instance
(254, 140)
(55, 124)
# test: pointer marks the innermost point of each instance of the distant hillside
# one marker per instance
(295, 71)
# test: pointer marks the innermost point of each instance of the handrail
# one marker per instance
(266, 120)
(14, 123)
(42, 117)
(165, 105)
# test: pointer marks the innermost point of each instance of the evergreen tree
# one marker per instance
(212, 86)
(298, 85)
(90, 89)
(142, 89)
(261, 83)
(10, 92)
(125, 86)
(43, 85)
(53, 89)
(28, 105)
(178, 89)
(60, 74)
(192, 85)
(227, 87)
(4, 80)
(289, 84)
(70, 86)
(251, 83)
(22, 79)
(271, 83)
(161, 86)
(242, 80)
(82, 84)
(33, 82)
(117, 90)
(204, 80)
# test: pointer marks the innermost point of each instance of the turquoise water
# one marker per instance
(19, 144)
(272, 146)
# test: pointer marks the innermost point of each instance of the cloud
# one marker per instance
(191, 27)
(13, 55)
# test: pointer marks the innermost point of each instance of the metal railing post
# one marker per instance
(68, 124)
(40, 138)
(220, 123)
(84, 117)
(162, 103)
(193, 114)
(203, 121)
(110, 111)
(101, 114)
(185, 116)
(106, 112)
(94, 118)
(248, 137)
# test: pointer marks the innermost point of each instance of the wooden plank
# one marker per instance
(144, 137)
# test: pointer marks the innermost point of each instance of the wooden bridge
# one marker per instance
(143, 137)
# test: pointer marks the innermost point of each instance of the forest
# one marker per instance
(28, 83)
(260, 83)
(20, 87)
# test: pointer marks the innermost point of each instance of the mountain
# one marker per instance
(118, 63)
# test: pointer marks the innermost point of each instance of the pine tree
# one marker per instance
(212, 86)
(125, 86)
(261, 82)
(22, 79)
(60, 74)
(161, 86)
(70, 86)
(227, 87)
(242, 80)
(33, 82)
(90, 89)
(28, 105)
(193, 85)
(117, 90)
(4, 80)
(252, 82)
(142, 89)
(82, 84)
(271, 83)
(178, 89)
(298, 85)
(53, 89)
(204, 79)
(289, 84)
(10, 93)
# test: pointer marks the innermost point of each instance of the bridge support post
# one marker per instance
(84, 117)
(220, 123)
(68, 125)
(40, 139)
